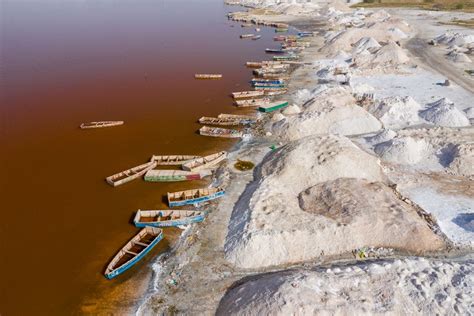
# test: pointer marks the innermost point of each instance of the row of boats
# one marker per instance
(152, 222)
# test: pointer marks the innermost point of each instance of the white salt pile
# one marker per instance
(390, 55)
(463, 160)
(278, 117)
(362, 88)
(291, 110)
(469, 112)
(298, 202)
(451, 38)
(444, 113)
(396, 111)
(334, 111)
(365, 43)
(408, 286)
(383, 136)
(301, 96)
(397, 32)
(458, 57)
(404, 150)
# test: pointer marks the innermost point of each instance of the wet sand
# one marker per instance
(65, 63)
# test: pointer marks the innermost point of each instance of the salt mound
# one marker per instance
(383, 136)
(458, 57)
(379, 15)
(463, 160)
(470, 112)
(292, 109)
(397, 32)
(278, 117)
(267, 225)
(390, 55)
(444, 113)
(365, 43)
(388, 287)
(405, 150)
(396, 111)
(362, 88)
(458, 39)
(334, 111)
(301, 96)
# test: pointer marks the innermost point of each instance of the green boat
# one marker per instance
(281, 30)
(273, 106)
(285, 57)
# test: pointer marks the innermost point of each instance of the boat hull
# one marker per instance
(273, 107)
(196, 200)
(132, 262)
(173, 223)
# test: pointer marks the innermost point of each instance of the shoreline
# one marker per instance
(201, 264)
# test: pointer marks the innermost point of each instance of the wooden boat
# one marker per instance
(286, 57)
(220, 132)
(194, 196)
(100, 124)
(224, 121)
(205, 162)
(247, 25)
(274, 76)
(167, 218)
(281, 30)
(279, 38)
(247, 117)
(172, 160)
(256, 37)
(134, 251)
(264, 86)
(305, 34)
(252, 102)
(273, 106)
(274, 50)
(275, 92)
(174, 175)
(208, 76)
(246, 94)
(258, 81)
(130, 174)
(247, 35)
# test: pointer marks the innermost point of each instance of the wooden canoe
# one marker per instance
(205, 162)
(245, 117)
(208, 76)
(167, 218)
(174, 175)
(134, 251)
(220, 132)
(224, 121)
(100, 124)
(256, 37)
(194, 196)
(246, 94)
(247, 35)
(172, 160)
(252, 102)
(267, 81)
(274, 51)
(275, 92)
(130, 174)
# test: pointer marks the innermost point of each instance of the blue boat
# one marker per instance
(305, 34)
(266, 86)
(134, 251)
(194, 196)
(271, 81)
(167, 218)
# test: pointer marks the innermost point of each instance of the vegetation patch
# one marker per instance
(244, 165)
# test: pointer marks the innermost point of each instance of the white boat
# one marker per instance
(130, 174)
(220, 132)
(172, 160)
(247, 94)
(100, 124)
(205, 162)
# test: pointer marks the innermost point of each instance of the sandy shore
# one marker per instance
(366, 203)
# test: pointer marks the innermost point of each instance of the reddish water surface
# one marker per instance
(67, 62)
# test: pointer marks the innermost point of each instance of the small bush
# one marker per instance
(243, 165)
(459, 6)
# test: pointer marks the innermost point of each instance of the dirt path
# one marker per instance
(420, 48)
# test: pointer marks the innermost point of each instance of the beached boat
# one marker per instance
(273, 106)
(172, 160)
(258, 81)
(275, 92)
(274, 50)
(224, 121)
(208, 76)
(246, 94)
(247, 35)
(174, 175)
(268, 86)
(281, 30)
(100, 124)
(274, 76)
(241, 116)
(133, 251)
(167, 218)
(286, 57)
(247, 25)
(256, 37)
(220, 132)
(305, 34)
(251, 102)
(130, 174)
(279, 38)
(194, 196)
(206, 162)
